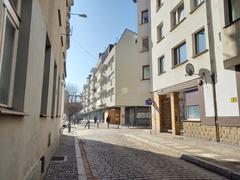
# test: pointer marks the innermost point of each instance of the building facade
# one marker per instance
(195, 34)
(34, 37)
(115, 89)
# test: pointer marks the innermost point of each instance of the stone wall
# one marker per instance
(228, 135)
(196, 130)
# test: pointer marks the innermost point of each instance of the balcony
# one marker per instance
(231, 45)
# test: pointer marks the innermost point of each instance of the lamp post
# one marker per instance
(80, 15)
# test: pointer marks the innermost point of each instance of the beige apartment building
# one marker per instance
(119, 84)
(204, 34)
(34, 36)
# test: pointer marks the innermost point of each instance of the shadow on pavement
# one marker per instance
(111, 161)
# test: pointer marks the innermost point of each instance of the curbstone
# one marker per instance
(221, 170)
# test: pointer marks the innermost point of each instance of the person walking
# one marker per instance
(108, 120)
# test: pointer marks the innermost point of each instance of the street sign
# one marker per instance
(148, 102)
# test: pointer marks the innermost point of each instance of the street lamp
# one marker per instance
(80, 15)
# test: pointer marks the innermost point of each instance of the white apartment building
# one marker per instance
(119, 84)
(205, 34)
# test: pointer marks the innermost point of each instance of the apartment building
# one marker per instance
(119, 84)
(34, 37)
(204, 35)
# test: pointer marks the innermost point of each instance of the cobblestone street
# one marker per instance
(110, 155)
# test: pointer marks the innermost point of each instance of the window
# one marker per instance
(45, 85)
(159, 3)
(192, 105)
(8, 47)
(161, 68)
(193, 112)
(234, 10)
(180, 54)
(196, 3)
(200, 44)
(145, 44)
(54, 91)
(144, 17)
(178, 15)
(146, 72)
(159, 32)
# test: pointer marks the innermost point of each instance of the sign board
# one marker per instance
(148, 102)
(234, 100)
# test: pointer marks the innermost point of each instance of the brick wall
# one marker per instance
(228, 135)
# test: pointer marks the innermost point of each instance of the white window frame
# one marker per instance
(8, 12)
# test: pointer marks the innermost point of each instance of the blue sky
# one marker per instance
(107, 19)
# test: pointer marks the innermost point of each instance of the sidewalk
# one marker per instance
(220, 158)
(66, 163)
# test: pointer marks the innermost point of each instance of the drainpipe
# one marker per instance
(212, 64)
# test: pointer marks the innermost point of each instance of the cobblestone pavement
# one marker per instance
(110, 155)
(64, 170)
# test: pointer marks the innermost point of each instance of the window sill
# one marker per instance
(158, 8)
(199, 54)
(143, 23)
(177, 65)
(159, 74)
(192, 120)
(43, 116)
(10, 112)
(231, 23)
(195, 8)
(158, 41)
(178, 24)
(145, 79)
(142, 51)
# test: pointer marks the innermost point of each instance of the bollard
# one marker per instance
(108, 125)
(97, 124)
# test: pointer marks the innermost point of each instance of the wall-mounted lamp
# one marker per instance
(80, 15)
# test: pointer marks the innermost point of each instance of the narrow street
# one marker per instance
(109, 154)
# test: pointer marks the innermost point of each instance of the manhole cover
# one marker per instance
(59, 158)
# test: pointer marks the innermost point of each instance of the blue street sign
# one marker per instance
(148, 102)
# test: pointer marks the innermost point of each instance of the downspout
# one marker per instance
(212, 64)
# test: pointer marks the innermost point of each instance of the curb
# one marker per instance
(80, 165)
(221, 170)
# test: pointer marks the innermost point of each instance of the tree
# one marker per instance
(72, 103)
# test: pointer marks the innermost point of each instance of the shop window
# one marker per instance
(192, 105)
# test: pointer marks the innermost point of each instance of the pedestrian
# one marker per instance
(95, 119)
(108, 120)
(69, 126)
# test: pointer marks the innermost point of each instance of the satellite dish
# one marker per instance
(189, 69)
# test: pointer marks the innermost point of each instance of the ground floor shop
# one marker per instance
(126, 116)
(181, 110)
